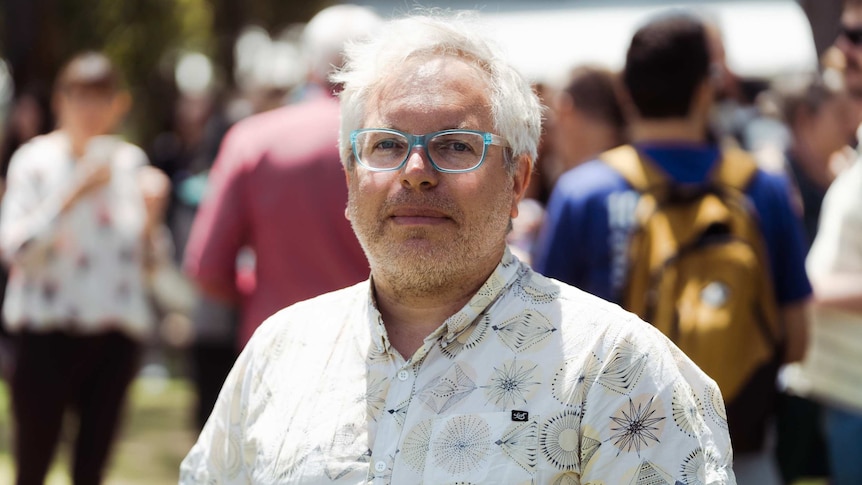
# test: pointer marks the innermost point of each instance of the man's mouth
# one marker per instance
(418, 216)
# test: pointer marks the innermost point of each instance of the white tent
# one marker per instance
(545, 39)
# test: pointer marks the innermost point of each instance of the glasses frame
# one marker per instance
(422, 140)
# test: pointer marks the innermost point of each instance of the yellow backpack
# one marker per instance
(698, 271)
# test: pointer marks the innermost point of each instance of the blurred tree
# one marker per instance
(143, 37)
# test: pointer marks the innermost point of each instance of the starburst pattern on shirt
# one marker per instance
(520, 443)
(462, 445)
(416, 445)
(715, 406)
(573, 381)
(525, 330)
(510, 384)
(696, 467)
(686, 410)
(559, 440)
(637, 426)
(448, 389)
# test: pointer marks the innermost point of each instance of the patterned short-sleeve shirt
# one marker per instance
(533, 381)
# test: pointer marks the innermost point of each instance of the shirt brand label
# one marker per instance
(520, 416)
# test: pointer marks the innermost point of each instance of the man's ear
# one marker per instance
(521, 180)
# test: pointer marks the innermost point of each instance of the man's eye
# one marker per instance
(455, 146)
(387, 145)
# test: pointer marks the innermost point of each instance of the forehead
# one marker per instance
(443, 89)
(852, 17)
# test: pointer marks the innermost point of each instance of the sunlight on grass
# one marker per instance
(154, 439)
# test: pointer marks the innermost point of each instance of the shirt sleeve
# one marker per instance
(217, 456)
(30, 210)
(220, 228)
(653, 414)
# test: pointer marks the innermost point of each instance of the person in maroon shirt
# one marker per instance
(277, 188)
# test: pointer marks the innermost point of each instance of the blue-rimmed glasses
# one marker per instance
(450, 151)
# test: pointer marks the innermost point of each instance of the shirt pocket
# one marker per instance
(497, 447)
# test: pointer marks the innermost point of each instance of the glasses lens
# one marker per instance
(457, 150)
(381, 149)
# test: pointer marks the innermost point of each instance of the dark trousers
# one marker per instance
(55, 372)
(212, 363)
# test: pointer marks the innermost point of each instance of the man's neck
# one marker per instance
(671, 130)
(409, 317)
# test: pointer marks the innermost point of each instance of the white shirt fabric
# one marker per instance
(533, 381)
(832, 370)
(82, 270)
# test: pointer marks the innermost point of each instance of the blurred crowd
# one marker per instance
(116, 255)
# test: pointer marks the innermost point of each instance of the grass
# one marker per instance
(156, 435)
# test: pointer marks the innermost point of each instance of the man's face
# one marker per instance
(422, 229)
(851, 20)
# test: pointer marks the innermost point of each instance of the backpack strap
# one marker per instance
(735, 170)
(642, 175)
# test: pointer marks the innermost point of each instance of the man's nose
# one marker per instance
(418, 172)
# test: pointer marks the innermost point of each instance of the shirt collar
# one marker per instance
(502, 277)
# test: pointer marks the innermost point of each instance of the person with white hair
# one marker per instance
(453, 362)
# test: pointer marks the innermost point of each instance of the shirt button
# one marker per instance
(403, 375)
(380, 466)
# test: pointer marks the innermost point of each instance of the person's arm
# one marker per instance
(651, 412)
(220, 228)
(29, 214)
(218, 454)
(839, 291)
(795, 319)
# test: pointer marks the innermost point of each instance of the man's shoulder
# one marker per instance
(585, 321)
(269, 124)
(318, 310)
(312, 125)
(591, 179)
(578, 307)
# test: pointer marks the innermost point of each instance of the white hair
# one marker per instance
(515, 108)
(325, 35)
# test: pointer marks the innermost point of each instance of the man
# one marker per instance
(454, 362)
(276, 188)
(592, 211)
